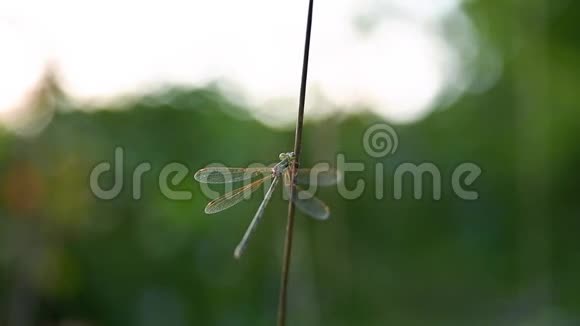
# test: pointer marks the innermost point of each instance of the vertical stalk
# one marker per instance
(297, 150)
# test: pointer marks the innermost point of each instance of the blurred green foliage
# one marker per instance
(508, 258)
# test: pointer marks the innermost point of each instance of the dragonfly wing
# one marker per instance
(219, 174)
(317, 176)
(230, 199)
(306, 202)
(311, 206)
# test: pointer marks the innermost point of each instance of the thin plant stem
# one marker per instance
(297, 150)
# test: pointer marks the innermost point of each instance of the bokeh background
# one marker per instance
(489, 82)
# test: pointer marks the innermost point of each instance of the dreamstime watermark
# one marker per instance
(379, 141)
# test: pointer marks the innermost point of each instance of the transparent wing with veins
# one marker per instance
(305, 201)
(231, 198)
(318, 176)
(219, 174)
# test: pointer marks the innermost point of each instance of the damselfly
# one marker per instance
(303, 200)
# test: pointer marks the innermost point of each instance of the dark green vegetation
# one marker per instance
(509, 258)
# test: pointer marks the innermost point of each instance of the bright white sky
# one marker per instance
(102, 49)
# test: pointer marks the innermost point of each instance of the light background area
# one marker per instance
(395, 57)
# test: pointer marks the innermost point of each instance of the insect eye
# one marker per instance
(281, 156)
